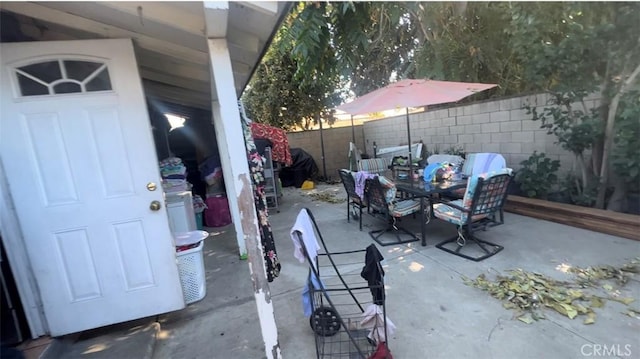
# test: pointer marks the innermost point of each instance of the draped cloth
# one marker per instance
(272, 263)
(280, 151)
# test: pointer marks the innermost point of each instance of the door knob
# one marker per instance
(155, 205)
(151, 186)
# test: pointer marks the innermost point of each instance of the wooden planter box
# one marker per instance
(614, 223)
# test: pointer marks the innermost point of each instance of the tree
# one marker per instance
(575, 51)
(567, 49)
(280, 95)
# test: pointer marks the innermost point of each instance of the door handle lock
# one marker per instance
(155, 205)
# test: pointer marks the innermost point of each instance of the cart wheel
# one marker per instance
(325, 321)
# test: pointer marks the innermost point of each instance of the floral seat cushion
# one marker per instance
(453, 215)
(396, 208)
(390, 186)
(404, 208)
(456, 216)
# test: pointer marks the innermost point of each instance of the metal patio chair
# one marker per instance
(485, 195)
(384, 201)
(355, 204)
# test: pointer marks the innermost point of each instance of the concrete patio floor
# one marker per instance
(436, 314)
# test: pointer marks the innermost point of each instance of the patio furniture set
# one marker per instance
(347, 309)
(472, 200)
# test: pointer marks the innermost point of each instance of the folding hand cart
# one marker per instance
(346, 300)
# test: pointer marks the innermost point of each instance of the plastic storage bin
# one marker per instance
(217, 213)
(180, 211)
(191, 269)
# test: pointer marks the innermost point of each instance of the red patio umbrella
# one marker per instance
(412, 93)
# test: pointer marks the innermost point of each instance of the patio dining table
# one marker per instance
(419, 188)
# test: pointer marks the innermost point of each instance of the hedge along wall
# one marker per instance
(501, 126)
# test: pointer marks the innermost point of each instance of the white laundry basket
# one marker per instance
(192, 275)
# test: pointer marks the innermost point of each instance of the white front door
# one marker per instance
(78, 151)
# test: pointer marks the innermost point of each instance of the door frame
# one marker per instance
(19, 262)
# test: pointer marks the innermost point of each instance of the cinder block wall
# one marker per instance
(336, 146)
(501, 126)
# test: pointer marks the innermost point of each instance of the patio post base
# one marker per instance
(488, 248)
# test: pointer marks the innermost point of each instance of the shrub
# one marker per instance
(456, 150)
(537, 175)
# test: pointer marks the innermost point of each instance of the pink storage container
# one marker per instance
(217, 213)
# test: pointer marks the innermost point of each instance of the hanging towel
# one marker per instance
(305, 227)
(306, 294)
(373, 318)
(373, 273)
(361, 177)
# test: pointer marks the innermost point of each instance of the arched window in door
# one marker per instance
(53, 77)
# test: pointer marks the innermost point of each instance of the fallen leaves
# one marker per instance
(529, 293)
(325, 197)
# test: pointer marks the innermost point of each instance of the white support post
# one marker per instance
(226, 119)
(233, 160)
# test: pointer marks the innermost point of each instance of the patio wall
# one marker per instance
(336, 146)
(501, 126)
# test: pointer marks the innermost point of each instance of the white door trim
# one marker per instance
(20, 265)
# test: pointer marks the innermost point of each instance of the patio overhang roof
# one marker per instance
(170, 38)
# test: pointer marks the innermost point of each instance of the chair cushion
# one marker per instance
(374, 165)
(473, 183)
(390, 186)
(359, 201)
(406, 207)
(453, 215)
(477, 163)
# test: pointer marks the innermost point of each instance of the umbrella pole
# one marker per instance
(409, 137)
(324, 164)
(353, 132)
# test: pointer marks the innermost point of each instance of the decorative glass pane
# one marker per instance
(67, 87)
(99, 83)
(28, 87)
(47, 71)
(80, 70)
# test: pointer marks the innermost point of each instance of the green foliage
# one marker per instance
(576, 130)
(579, 195)
(468, 45)
(523, 47)
(576, 50)
(278, 97)
(626, 154)
(371, 43)
(537, 175)
(455, 150)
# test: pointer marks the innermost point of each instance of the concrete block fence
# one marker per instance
(336, 147)
(501, 126)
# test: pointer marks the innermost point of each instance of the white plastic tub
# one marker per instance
(191, 269)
